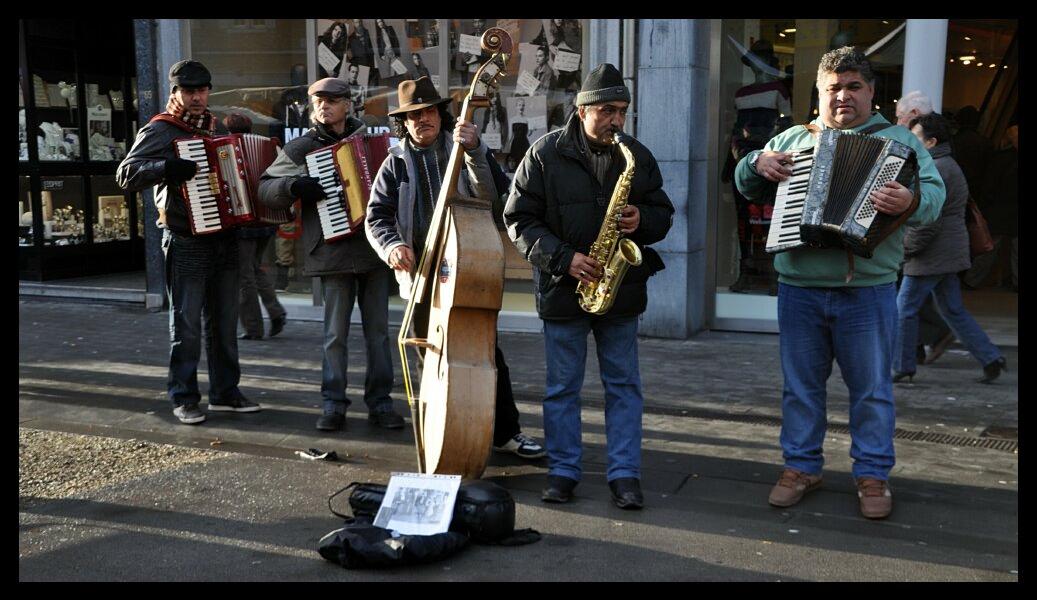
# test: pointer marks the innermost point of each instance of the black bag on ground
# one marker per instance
(483, 510)
(362, 545)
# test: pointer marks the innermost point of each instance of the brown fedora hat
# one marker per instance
(416, 94)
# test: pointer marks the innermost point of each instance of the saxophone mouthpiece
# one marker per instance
(619, 137)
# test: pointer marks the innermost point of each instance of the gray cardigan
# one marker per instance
(390, 210)
(943, 246)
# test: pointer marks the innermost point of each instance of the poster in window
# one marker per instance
(99, 129)
(332, 43)
(386, 35)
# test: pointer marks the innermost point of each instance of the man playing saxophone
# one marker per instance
(558, 202)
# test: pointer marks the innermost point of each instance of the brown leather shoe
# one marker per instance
(875, 498)
(792, 486)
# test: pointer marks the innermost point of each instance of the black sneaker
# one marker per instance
(522, 445)
(237, 404)
(189, 414)
(389, 419)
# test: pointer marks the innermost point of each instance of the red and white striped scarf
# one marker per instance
(204, 123)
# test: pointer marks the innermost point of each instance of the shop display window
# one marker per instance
(111, 211)
(25, 212)
(105, 124)
(61, 199)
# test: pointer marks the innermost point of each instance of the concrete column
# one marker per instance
(925, 49)
(159, 44)
(673, 122)
(149, 103)
(605, 38)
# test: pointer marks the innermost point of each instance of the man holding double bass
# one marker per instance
(403, 199)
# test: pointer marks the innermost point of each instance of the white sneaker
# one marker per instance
(189, 414)
(522, 445)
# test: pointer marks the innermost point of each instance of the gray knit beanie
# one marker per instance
(603, 84)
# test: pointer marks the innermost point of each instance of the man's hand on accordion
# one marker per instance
(892, 199)
(308, 189)
(774, 166)
(179, 170)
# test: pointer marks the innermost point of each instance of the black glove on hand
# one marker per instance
(308, 188)
(179, 170)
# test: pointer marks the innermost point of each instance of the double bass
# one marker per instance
(460, 276)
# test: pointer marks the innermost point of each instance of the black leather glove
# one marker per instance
(308, 188)
(179, 170)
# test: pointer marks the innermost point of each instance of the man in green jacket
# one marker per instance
(821, 316)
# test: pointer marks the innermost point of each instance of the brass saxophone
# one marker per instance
(609, 249)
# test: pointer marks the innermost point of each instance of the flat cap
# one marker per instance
(330, 86)
(190, 74)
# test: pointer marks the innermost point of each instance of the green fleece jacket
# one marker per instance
(826, 267)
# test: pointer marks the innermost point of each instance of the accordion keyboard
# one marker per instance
(334, 220)
(788, 205)
(201, 196)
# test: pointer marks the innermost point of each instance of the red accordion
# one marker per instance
(225, 190)
(346, 171)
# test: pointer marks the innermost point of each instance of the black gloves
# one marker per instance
(179, 170)
(308, 188)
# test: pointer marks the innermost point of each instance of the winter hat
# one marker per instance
(603, 84)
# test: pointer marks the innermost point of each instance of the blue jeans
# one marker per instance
(371, 289)
(202, 285)
(946, 291)
(856, 326)
(565, 345)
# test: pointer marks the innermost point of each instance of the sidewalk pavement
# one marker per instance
(710, 456)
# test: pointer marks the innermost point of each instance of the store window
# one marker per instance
(536, 96)
(63, 215)
(77, 120)
(57, 102)
(23, 136)
(258, 69)
(25, 212)
(767, 72)
(105, 125)
(111, 211)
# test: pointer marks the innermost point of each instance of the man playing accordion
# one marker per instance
(201, 270)
(821, 315)
(348, 268)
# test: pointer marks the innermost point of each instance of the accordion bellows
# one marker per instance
(826, 204)
(224, 191)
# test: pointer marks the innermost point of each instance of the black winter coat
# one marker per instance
(348, 255)
(145, 165)
(556, 208)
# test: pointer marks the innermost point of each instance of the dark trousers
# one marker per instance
(202, 285)
(254, 281)
(506, 420)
